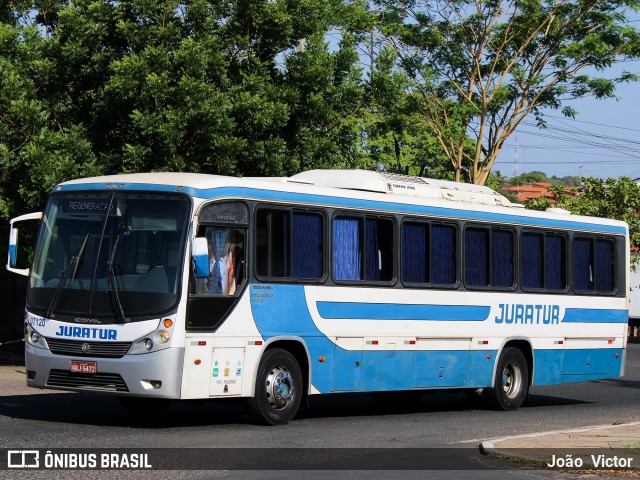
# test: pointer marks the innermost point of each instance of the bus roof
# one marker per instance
(359, 180)
(371, 186)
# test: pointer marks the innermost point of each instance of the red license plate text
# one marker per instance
(83, 367)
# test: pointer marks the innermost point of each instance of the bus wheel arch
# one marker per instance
(513, 374)
(280, 383)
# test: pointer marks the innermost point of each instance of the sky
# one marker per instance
(603, 140)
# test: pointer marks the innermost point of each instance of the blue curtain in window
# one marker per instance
(443, 254)
(218, 239)
(604, 266)
(414, 253)
(476, 256)
(502, 258)
(306, 253)
(531, 260)
(555, 262)
(583, 264)
(372, 251)
(346, 249)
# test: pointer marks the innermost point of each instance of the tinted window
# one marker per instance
(289, 244)
(488, 257)
(362, 249)
(593, 264)
(543, 260)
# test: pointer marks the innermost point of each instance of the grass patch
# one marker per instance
(634, 447)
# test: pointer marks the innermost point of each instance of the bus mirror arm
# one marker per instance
(200, 257)
(12, 259)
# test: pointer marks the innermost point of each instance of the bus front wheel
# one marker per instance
(279, 388)
(511, 385)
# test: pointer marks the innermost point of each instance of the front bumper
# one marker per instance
(156, 374)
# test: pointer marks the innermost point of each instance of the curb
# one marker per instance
(490, 444)
(540, 453)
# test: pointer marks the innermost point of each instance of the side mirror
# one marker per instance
(200, 257)
(12, 259)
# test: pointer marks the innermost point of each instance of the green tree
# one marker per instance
(480, 67)
(530, 177)
(234, 87)
(39, 144)
(617, 198)
(392, 134)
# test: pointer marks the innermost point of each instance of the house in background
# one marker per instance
(535, 190)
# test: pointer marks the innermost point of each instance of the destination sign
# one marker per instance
(95, 206)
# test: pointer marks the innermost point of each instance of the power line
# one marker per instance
(585, 139)
(617, 127)
(578, 132)
(626, 151)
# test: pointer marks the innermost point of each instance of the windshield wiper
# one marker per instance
(105, 219)
(111, 276)
(71, 271)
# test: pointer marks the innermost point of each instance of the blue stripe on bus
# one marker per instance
(589, 315)
(12, 254)
(325, 200)
(576, 365)
(395, 311)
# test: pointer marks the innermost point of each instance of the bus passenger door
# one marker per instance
(347, 364)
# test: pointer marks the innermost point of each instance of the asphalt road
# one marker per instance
(40, 419)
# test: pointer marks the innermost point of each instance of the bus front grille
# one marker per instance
(88, 349)
(109, 382)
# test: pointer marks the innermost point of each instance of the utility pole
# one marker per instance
(515, 159)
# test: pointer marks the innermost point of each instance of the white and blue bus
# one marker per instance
(167, 286)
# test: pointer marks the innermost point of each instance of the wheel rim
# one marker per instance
(280, 387)
(511, 380)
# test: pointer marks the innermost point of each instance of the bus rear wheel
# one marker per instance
(511, 385)
(279, 388)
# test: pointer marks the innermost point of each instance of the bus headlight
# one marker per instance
(148, 344)
(34, 337)
(163, 336)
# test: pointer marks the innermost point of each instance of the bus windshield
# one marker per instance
(114, 256)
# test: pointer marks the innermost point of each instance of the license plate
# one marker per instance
(83, 367)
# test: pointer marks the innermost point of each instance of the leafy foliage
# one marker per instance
(227, 87)
(480, 67)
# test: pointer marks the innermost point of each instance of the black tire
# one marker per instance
(511, 385)
(144, 408)
(279, 388)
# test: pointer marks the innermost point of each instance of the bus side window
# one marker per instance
(363, 249)
(289, 244)
(594, 264)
